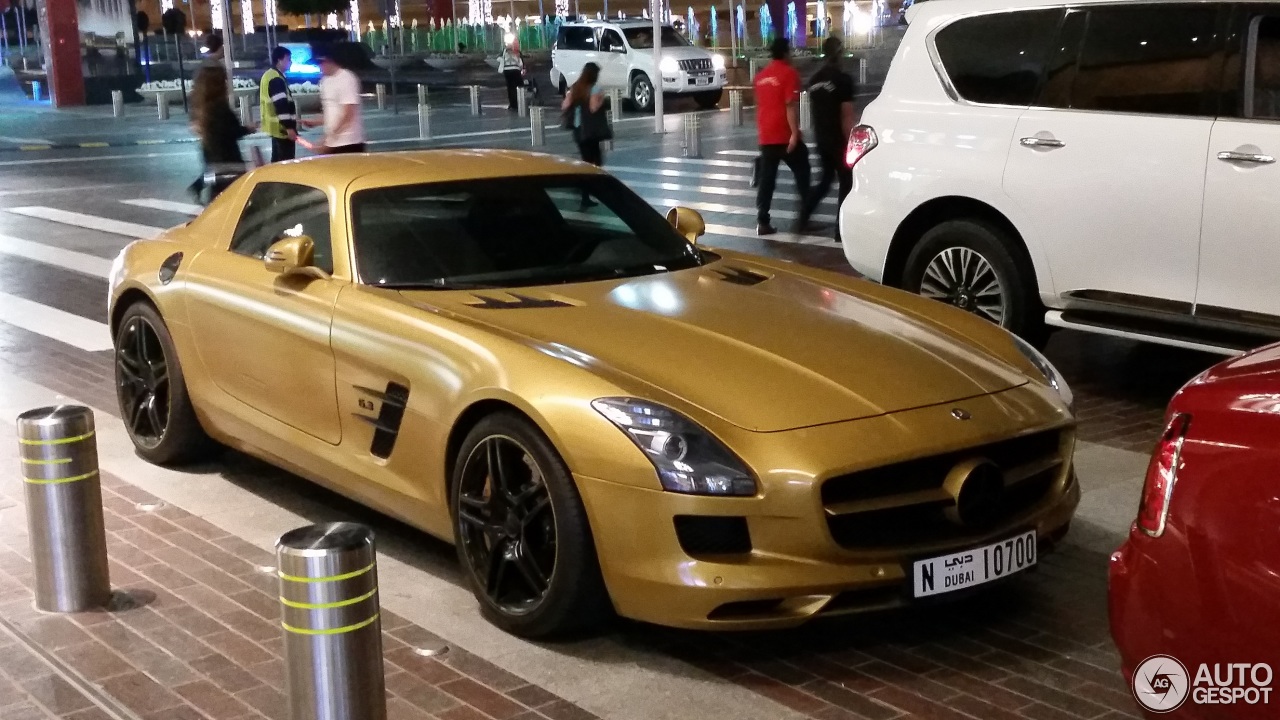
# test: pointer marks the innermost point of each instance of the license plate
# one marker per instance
(949, 573)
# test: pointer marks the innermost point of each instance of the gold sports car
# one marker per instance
(514, 352)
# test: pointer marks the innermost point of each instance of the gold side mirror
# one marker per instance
(293, 256)
(687, 222)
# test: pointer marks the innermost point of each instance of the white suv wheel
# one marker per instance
(964, 278)
(642, 92)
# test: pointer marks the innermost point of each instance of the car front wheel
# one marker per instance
(522, 532)
(972, 265)
(642, 92)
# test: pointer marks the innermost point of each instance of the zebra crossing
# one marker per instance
(31, 237)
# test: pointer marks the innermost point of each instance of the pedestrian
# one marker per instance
(831, 92)
(584, 110)
(777, 91)
(279, 112)
(512, 66)
(340, 103)
(219, 131)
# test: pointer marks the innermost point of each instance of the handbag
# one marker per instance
(595, 126)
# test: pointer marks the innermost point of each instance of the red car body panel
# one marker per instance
(1208, 590)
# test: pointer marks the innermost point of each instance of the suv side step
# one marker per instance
(1145, 331)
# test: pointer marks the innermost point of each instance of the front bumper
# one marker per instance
(683, 82)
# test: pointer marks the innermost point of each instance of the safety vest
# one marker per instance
(270, 121)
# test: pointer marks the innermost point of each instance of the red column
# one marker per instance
(58, 19)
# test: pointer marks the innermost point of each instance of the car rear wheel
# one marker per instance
(708, 100)
(972, 265)
(522, 532)
(564, 87)
(152, 391)
(642, 92)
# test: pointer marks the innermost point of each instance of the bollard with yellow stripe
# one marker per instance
(59, 464)
(329, 611)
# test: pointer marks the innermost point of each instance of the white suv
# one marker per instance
(1100, 165)
(624, 51)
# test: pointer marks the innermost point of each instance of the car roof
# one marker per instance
(934, 8)
(338, 173)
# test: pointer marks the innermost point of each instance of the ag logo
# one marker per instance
(1161, 684)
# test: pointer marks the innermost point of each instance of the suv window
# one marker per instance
(611, 41)
(576, 37)
(1252, 85)
(998, 59)
(279, 210)
(1152, 59)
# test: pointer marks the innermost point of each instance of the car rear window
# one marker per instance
(576, 38)
(998, 59)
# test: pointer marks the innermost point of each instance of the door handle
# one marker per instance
(1034, 142)
(1246, 157)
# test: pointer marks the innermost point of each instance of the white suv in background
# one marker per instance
(624, 51)
(1100, 165)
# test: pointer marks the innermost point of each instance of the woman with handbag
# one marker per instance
(219, 131)
(583, 107)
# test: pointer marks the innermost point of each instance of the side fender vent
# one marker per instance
(169, 268)
(387, 424)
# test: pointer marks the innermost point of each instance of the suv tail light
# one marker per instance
(1162, 475)
(862, 140)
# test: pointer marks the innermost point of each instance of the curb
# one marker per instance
(93, 145)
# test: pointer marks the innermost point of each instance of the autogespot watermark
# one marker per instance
(1162, 684)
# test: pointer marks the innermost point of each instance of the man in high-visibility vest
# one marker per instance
(512, 67)
(279, 113)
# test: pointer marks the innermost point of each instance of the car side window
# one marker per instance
(611, 41)
(998, 59)
(1257, 80)
(577, 38)
(279, 210)
(1151, 59)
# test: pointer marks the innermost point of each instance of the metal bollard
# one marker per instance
(64, 508)
(117, 103)
(522, 102)
(35, 90)
(329, 609)
(754, 66)
(246, 110)
(424, 121)
(380, 92)
(806, 112)
(162, 105)
(537, 133)
(475, 100)
(862, 71)
(692, 135)
(422, 94)
(735, 108)
(615, 103)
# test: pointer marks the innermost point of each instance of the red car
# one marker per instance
(1195, 592)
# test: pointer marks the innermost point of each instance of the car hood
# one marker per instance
(761, 349)
(683, 52)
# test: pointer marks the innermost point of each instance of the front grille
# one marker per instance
(700, 536)
(905, 504)
(693, 65)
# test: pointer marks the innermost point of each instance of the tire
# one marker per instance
(574, 598)
(988, 260)
(710, 99)
(164, 428)
(641, 93)
(562, 88)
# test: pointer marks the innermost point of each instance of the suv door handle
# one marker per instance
(1246, 157)
(1033, 142)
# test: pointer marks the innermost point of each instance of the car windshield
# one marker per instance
(641, 38)
(511, 232)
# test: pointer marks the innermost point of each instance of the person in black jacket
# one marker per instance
(831, 91)
(218, 128)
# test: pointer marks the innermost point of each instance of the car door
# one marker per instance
(1107, 167)
(579, 48)
(265, 338)
(614, 59)
(1240, 241)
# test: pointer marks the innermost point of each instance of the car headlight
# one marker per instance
(688, 459)
(717, 61)
(1046, 368)
(669, 65)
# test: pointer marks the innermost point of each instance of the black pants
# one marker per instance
(833, 169)
(591, 153)
(770, 157)
(283, 149)
(514, 80)
(345, 149)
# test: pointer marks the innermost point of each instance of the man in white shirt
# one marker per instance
(340, 103)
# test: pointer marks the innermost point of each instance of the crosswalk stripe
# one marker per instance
(714, 190)
(91, 222)
(735, 231)
(705, 161)
(166, 205)
(88, 335)
(783, 178)
(734, 209)
(56, 256)
(755, 153)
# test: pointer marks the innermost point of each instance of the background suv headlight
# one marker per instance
(1046, 368)
(688, 459)
(717, 61)
(669, 65)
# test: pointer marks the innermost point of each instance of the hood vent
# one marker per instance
(519, 303)
(740, 276)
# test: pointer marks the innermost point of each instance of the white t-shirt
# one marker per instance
(336, 90)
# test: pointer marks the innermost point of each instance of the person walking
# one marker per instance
(340, 103)
(585, 102)
(777, 91)
(219, 131)
(512, 66)
(831, 92)
(279, 112)
(213, 52)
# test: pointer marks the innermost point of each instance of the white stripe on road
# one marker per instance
(92, 158)
(166, 205)
(754, 153)
(90, 222)
(783, 179)
(704, 161)
(24, 141)
(56, 256)
(734, 231)
(88, 335)
(714, 190)
(734, 209)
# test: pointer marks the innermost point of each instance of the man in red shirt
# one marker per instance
(777, 90)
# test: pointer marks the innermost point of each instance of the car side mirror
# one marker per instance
(620, 49)
(293, 256)
(687, 222)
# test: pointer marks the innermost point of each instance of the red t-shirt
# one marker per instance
(776, 85)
